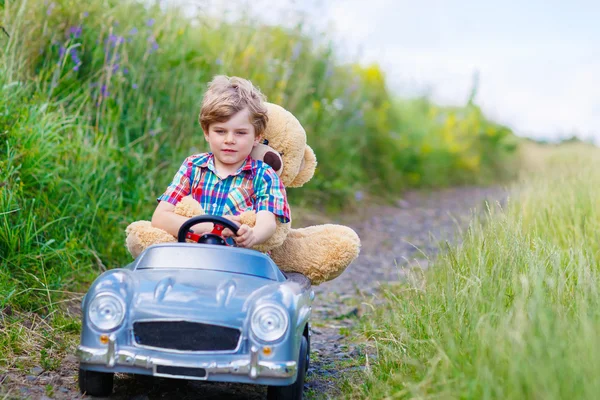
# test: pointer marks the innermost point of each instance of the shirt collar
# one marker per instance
(209, 163)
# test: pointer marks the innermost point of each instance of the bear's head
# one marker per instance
(284, 148)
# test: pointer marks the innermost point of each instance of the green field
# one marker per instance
(513, 312)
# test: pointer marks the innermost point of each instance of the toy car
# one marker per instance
(202, 311)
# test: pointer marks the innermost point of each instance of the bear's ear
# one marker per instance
(269, 155)
(307, 168)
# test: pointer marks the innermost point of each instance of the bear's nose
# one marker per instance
(273, 160)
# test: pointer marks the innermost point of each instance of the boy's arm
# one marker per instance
(165, 218)
(263, 229)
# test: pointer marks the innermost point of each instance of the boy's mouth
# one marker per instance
(228, 151)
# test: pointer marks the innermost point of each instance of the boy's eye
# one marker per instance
(241, 132)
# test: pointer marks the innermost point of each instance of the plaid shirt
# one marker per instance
(255, 186)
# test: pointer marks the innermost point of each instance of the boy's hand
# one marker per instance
(245, 237)
(233, 218)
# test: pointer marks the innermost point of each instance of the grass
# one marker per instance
(513, 311)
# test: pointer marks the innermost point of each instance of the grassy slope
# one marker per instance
(513, 312)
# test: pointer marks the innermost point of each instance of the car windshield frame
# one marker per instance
(209, 257)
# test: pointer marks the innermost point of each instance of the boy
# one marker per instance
(227, 180)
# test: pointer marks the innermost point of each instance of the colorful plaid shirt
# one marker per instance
(255, 186)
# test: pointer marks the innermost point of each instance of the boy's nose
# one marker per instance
(229, 138)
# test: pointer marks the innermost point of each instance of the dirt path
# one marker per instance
(392, 237)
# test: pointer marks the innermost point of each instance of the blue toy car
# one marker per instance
(205, 311)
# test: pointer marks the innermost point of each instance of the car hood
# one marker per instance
(195, 295)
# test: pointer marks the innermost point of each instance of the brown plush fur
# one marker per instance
(320, 252)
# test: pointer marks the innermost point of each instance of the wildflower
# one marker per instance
(75, 31)
(61, 52)
(133, 31)
(114, 39)
(150, 22)
(218, 61)
(134, 86)
(154, 44)
(50, 8)
(85, 14)
(358, 195)
(75, 58)
(125, 71)
(104, 91)
(115, 68)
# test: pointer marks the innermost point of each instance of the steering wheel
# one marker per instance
(214, 237)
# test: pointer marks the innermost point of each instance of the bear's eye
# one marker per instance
(281, 154)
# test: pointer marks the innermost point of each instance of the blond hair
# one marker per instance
(227, 96)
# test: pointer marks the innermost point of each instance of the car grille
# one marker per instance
(185, 336)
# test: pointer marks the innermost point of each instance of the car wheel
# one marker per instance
(95, 383)
(293, 391)
(307, 353)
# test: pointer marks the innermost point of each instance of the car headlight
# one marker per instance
(106, 311)
(269, 322)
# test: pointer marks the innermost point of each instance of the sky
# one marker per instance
(538, 62)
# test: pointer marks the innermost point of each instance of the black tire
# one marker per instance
(293, 391)
(307, 351)
(93, 383)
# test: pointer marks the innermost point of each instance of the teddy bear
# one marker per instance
(320, 252)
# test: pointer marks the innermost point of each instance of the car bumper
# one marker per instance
(240, 368)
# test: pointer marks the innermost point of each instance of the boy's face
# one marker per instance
(232, 141)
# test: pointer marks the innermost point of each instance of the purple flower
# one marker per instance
(154, 45)
(150, 22)
(134, 86)
(104, 91)
(218, 61)
(75, 31)
(115, 68)
(133, 31)
(85, 14)
(114, 40)
(358, 195)
(50, 8)
(125, 71)
(74, 56)
(76, 68)
(61, 52)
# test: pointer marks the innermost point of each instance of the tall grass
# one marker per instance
(513, 312)
(137, 74)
